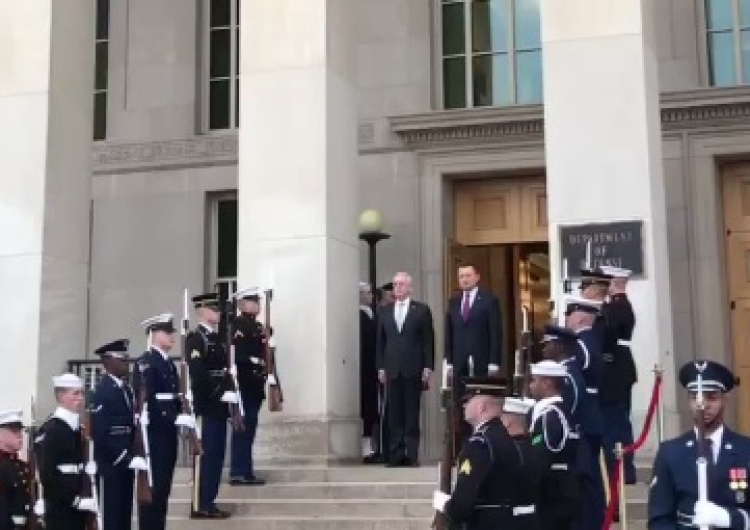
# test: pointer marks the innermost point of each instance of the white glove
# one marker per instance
(18, 520)
(143, 418)
(439, 499)
(87, 505)
(272, 380)
(90, 468)
(138, 464)
(233, 370)
(709, 514)
(39, 508)
(230, 397)
(185, 420)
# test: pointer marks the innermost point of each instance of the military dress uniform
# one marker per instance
(618, 376)
(62, 466)
(249, 340)
(673, 496)
(157, 372)
(489, 466)
(554, 436)
(211, 395)
(15, 481)
(113, 429)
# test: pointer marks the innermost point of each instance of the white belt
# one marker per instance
(19, 520)
(257, 360)
(165, 397)
(592, 390)
(623, 342)
(69, 469)
(559, 467)
(574, 436)
(524, 510)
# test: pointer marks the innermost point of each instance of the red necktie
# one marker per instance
(465, 308)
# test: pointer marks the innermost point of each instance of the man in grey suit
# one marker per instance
(405, 360)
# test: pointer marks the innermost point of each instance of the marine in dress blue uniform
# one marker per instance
(157, 372)
(15, 475)
(211, 396)
(673, 496)
(489, 464)
(113, 429)
(249, 341)
(580, 315)
(554, 436)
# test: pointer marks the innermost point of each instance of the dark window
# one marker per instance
(101, 69)
(226, 238)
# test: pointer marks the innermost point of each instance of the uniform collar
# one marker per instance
(715, 437)
(71, 418)
(160, 352)
(367, 309)
(207, 328)
(117, 380)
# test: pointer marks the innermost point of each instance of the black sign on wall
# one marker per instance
(617, 244)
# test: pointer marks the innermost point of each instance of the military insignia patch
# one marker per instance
(465, 467)
(537, 439)
(195, 354)
(239, 334)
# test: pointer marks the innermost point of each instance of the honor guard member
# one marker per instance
(527, 487)
(157, 372)
(113, 429)
(554, 438)
(489, 464)
(15, 475)
(208, 382)
(250, 343)
(619, 373)
(673, 497)
(580, 315)
(62, 462)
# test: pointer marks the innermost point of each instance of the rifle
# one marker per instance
(451, 404)
(93, 520)
(229, 306)
(144, 479)
(523, 358)
(701, 462)
(192, 435)
(32, 520)
(275, 393)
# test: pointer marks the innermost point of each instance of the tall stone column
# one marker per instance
(297, 214)
(46, 101)
(604, 156)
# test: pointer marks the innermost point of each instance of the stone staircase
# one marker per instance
(354, 497)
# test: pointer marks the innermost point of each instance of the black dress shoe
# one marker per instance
(246, 481)
(213, 513)
(393, 463)
(372, 458)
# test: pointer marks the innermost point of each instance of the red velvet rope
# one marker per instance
(614, 480)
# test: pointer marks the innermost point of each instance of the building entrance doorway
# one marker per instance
(518, 274)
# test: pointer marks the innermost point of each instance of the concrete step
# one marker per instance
(300, 523)
(314, 473)
(319, 490)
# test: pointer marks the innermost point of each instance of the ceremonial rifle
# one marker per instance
(93, 520)
(193, 435)
(275, 393)
(451, 404)
(229, 313)
(144, 479)
(701, 462)
(522, 367)
(32, 520)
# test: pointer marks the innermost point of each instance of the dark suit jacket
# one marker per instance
(409, 351)
(479, 337)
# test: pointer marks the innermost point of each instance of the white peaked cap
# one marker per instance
(364, 287)
(513, 405)
(68, 380)
(616, 272)
(164, 318)
(11, 417)
(248, 291)
(583, 302)
(549, 369)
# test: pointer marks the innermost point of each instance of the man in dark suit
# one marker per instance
(405, 359)
(368, 381)
(473, 330)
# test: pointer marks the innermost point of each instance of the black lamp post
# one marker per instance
(371, 232)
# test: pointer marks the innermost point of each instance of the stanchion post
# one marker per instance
(623, 496)
(658, 372)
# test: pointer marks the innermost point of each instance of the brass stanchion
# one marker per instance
(658, 374)
(623, 497)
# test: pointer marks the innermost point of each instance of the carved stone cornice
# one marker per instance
(123, 157)
(694, 110)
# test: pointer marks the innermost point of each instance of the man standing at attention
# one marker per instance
(405, 356)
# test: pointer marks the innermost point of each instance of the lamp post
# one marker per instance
(371, 232)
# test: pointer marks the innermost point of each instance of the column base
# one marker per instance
(307, 440)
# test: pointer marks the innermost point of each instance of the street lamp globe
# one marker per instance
(370, 221)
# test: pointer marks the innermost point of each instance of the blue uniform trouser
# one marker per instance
(592, 488)
(116, 497)
(242, 442)
(618, 428)
(163, 449)
(214, 441)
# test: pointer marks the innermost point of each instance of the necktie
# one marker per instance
(466, 307)
(708, 451)
(400, 315)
